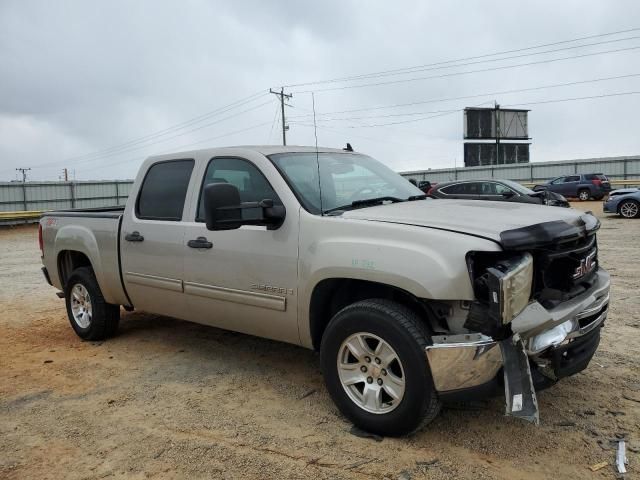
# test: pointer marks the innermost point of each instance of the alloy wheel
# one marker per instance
(371, 373)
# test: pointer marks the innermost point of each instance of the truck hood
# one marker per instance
(513, 225)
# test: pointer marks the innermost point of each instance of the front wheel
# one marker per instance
(375, 367)
(629, 209)
(91, 317)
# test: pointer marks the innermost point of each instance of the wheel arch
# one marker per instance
(68, 261)
(331, 295)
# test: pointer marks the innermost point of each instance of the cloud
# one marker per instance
(81, 77)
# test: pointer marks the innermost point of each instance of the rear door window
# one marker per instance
(572, 178)
(163, 190)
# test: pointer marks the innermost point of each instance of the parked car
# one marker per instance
(426, 186)
(581, 185)
(625, 202)
(410, 301)
(496, 190)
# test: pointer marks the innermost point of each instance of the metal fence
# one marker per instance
(617, 169)
(38, 196)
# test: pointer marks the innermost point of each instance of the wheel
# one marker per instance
(584, 195)
(629, 209)
(91, 317)
(375, 367)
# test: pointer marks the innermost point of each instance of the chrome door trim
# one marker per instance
(154, 281)
(263, 300)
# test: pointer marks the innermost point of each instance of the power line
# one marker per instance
(410, 69)
(273, 124)
(178, 126)
(617, 94)
(133, 148)
(228, 134)
(503, 92)
(491, 69)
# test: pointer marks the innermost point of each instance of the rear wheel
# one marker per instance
(91, 317)
(629, 209)
(375, 367)
(584, 195)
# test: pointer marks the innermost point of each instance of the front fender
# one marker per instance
(428, 263)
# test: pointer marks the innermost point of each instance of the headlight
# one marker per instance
(509, 284)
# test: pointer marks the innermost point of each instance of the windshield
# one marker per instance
(344, 178)
(518, 187)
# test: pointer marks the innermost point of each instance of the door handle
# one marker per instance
(134, 237)
(200, 242)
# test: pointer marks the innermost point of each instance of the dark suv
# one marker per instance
(581, 185)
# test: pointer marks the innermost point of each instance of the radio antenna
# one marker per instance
(315, 134)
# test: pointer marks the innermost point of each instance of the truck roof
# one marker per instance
(239, 150)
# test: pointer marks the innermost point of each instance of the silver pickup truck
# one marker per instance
(411, 302)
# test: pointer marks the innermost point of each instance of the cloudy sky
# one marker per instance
(96, 86)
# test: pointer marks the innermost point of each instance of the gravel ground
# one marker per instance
(169, 399)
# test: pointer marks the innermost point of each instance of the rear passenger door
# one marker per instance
(151, 241)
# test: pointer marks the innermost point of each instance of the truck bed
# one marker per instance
(93, 232)
(96, 212)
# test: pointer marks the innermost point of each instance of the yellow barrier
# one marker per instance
(20, 215)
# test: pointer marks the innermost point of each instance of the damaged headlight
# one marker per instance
(509, 284)
(503, 285)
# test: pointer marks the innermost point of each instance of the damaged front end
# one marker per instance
(539, 307)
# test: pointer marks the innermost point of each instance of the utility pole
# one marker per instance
(282, 96)
(24, 173)
(65, 174)
(497, 110)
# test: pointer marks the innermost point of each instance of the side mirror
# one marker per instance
(223, 209)
(508, 194)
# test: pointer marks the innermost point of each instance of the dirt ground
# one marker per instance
(169, 399)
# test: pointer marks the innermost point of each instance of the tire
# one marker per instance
(629, 209)
(399, 328)
(94, 319)
(584, 194)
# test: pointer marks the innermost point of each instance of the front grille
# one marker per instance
(564, 271)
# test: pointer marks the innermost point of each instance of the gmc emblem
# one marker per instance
(587, 264)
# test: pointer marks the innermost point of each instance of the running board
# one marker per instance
(519, 392)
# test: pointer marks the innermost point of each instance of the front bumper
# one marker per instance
(466, 361)
(610, 206)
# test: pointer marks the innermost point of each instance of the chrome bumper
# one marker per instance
(470, 360)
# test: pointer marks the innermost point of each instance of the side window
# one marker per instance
(163, 191)
(452, 189)
(557, 180)
(487, 188)
(572, 178)
(472, 188)
(245, 176)
(502, 189)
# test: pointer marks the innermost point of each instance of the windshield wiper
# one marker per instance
(367, 202)
(416, 197)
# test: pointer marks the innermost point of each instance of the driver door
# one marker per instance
(245, 279)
